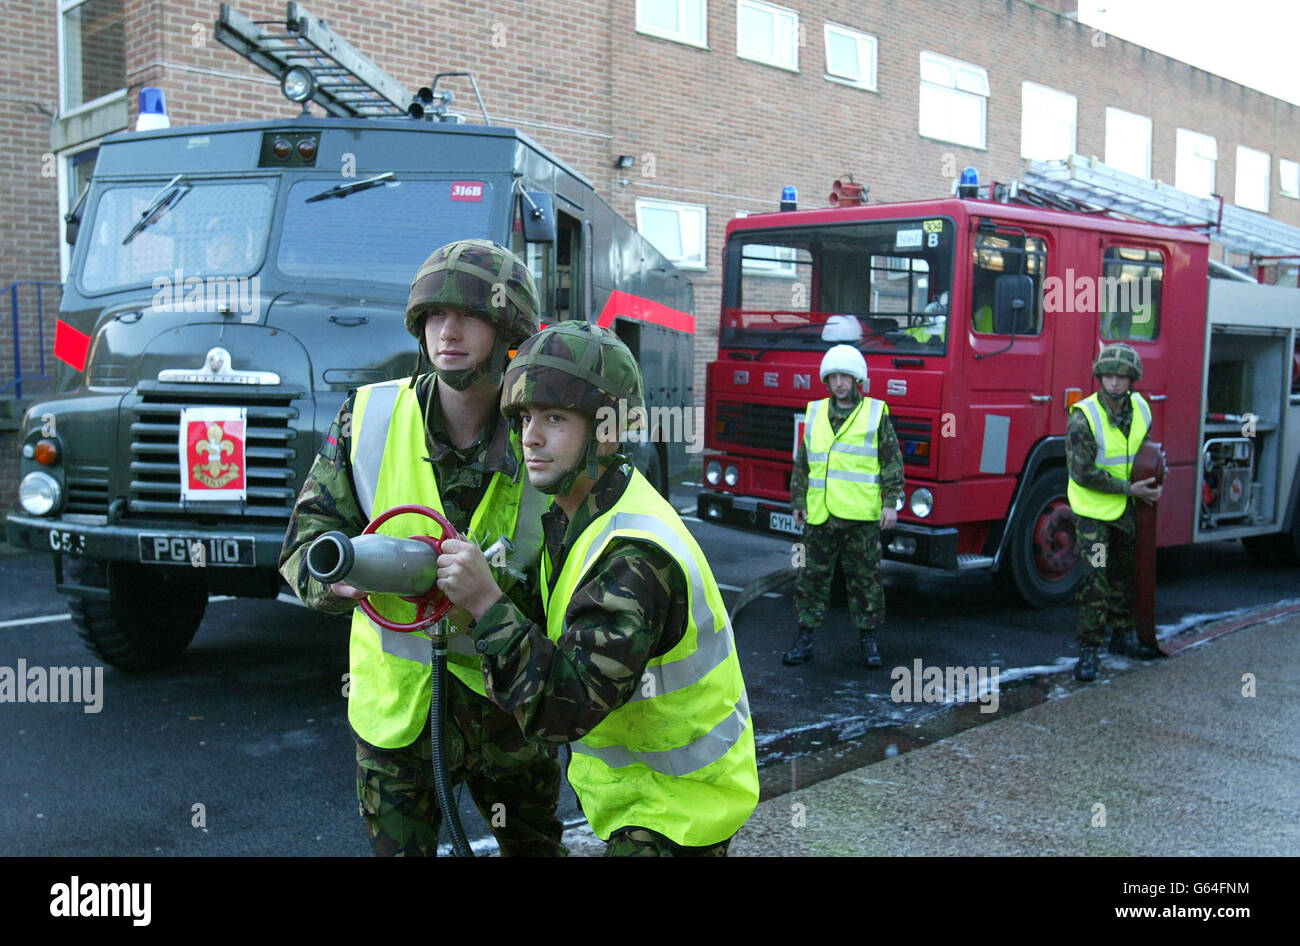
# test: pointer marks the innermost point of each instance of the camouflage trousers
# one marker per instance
(514, 783)
(859, 544)
(642, 842)
(1106, 593)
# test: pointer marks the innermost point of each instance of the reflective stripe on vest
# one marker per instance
(850, 455)
(389, 692)
(678, 757)
(1115, 454)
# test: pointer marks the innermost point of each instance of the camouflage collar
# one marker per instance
(496, 447)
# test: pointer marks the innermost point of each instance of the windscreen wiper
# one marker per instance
(167, 197)
(352, 187)
(778, 340)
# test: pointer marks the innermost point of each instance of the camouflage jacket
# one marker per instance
(631, 607)
(328, 497)
(891, 464)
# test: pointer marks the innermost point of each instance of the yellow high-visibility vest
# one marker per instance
(678, 758)
(844, 465)
(390, 687)
(1115, 454)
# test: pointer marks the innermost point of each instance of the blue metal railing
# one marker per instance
(12, 290)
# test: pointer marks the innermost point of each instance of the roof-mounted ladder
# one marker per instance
(347, 84)
(1088, 182)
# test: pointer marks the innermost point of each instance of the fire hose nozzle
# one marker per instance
(374, 563)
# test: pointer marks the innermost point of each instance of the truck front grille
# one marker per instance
(155, 458)
(87, 490)
(756, 426)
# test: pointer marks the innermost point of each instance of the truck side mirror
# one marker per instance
(538, 213)
(70, 232)
(1013, 305)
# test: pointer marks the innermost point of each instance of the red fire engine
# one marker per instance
(980, 316)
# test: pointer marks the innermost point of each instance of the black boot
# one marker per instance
(1126, 643)
(801, 650)
(870, 653)
(1086, 668)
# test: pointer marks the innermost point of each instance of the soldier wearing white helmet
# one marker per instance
(847, 481)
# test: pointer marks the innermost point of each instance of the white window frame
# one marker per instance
(66, 7)
(685, 36)
(867, 52)
(1053, 98)
(1288, 177)
(778, 14)
(1190, 149)
(1115, 117)
(1245, 156)
(684, 212)
(964, 79)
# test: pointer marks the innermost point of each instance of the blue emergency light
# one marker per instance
(153, 110)
(969, 186)
(789, 197)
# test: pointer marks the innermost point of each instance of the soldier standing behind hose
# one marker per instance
(438, 440)
(847, 480)
(1101, 442)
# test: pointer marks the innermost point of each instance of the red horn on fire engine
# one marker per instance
(847, 193)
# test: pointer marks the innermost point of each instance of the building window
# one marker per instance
(1130, 294)
(850, 57)
(1252, 179)
(676, 230)
(1194, 163)
(92, 50)
(954, 100)
(767, 34)
(1288, 177)
(1048, 120)
(1128, 142)
(684, 21)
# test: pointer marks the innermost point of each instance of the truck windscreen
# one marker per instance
(378, 234)
(884, 286)
(199, 228)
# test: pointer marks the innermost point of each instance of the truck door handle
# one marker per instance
(1040, 398)
(1157, 397)
(349, 321)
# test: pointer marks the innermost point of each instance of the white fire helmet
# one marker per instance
(847, 359)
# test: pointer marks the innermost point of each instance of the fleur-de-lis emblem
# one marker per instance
(215, 444)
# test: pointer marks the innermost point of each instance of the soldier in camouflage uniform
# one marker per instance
(855, 540)
(1106, 545)
(635, 656)
(466, 296)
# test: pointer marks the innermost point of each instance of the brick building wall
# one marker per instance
(707, 127)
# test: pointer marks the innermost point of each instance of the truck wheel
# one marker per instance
(1041, 562)
(150, 617)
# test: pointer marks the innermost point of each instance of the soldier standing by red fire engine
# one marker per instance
(847, 481)
(1102, 440)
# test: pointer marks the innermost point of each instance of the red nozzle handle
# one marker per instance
(432, 607)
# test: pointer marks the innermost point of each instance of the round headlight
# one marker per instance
(922, 502)
(713, 472)
(732, 476)
(39, 493)
(297, 84)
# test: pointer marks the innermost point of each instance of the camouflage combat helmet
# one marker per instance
(1120, 359)
(486, 280)
(580, 367)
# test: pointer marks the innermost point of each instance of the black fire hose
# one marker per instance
(438, 738)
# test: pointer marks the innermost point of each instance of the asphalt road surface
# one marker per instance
(242, 747)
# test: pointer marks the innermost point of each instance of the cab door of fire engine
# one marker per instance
(1009, 373)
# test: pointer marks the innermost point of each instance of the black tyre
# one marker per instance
(150, 617)
(1041, 561)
